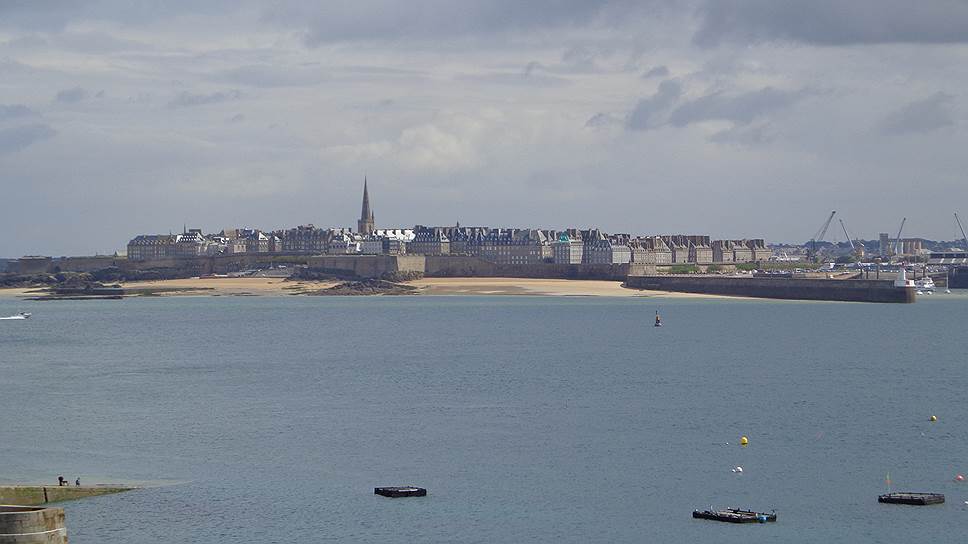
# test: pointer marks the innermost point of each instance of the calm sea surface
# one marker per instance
(528, 419)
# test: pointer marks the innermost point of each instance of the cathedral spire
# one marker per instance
(366, 224)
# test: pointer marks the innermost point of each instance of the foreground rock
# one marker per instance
(365, 287)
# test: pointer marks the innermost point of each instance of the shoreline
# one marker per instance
(208, 287)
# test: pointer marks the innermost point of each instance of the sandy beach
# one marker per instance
(542, 287)
(426, 286)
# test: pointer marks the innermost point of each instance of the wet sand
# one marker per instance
(540, 287)
(426, 286)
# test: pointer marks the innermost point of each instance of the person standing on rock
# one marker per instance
(77, 482)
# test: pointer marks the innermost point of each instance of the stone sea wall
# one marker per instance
(781, 288)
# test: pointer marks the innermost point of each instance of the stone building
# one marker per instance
(723, 251)
(650, 250)
(343, 242)
(304, 239)
(372, 245)
(151, 247)
(256, 242)
(429, 241)
(700, 251)
(679, 247)
(509, 246)
(742, 252)
(606, 251)
(193, 244)
(759, 250)
(568, 249)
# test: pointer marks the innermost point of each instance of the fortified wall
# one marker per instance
(456, 266)
(782, 288)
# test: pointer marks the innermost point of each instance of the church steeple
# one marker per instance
(366, 224)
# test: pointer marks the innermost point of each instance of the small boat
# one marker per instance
(735, 515)
(915, 499)
(658, 321)
(21, 315)
(398, 491)
(925, 284)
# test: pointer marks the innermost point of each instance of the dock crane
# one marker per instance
(963, 235)
(897, 239)
(856, 250)
(818, 236)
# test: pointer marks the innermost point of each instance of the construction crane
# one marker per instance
(818, 236)
(897, 240)
(856, 250)
(963, 235)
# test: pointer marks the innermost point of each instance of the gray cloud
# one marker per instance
(186, 99)
(264, 75)
(658, 71)
(14, 111)
(18, 138)
(740, 109)
(650, 112)
(832, 22)
(925, 115)
(435, 19)
(71, 96)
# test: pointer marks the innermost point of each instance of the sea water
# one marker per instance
(528, 419)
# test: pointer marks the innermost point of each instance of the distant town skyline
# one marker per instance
(741, 118)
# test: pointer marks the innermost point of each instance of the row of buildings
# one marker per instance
(498, 245)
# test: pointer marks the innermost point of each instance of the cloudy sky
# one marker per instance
(735, 118)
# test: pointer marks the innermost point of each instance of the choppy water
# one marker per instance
(528, 419)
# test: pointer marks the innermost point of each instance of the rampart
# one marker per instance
(446, 266)
(781, 288)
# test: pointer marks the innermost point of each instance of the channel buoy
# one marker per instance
(744, 441)
(934, 418)
(960, 478)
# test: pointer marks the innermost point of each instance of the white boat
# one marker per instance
(925, 284)
(21, 315)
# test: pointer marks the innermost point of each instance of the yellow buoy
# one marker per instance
(744, 441)
(934, 418)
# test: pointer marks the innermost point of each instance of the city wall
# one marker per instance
(781, 288)
(361, 266)
(445, 266)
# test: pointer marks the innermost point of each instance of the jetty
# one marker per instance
(35, 495)
(914, 499)
(735, 515)
(852, 290)
(403, 491)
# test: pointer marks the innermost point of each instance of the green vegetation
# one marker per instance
(683, 269)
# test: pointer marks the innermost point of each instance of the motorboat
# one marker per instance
(21, 315)
(925, 284)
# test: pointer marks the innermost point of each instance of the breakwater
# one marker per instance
(32, 525)
(33, 495)
(780, 288)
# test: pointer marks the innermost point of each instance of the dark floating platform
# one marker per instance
(917, 499)
(735, 515)
(406, 491)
